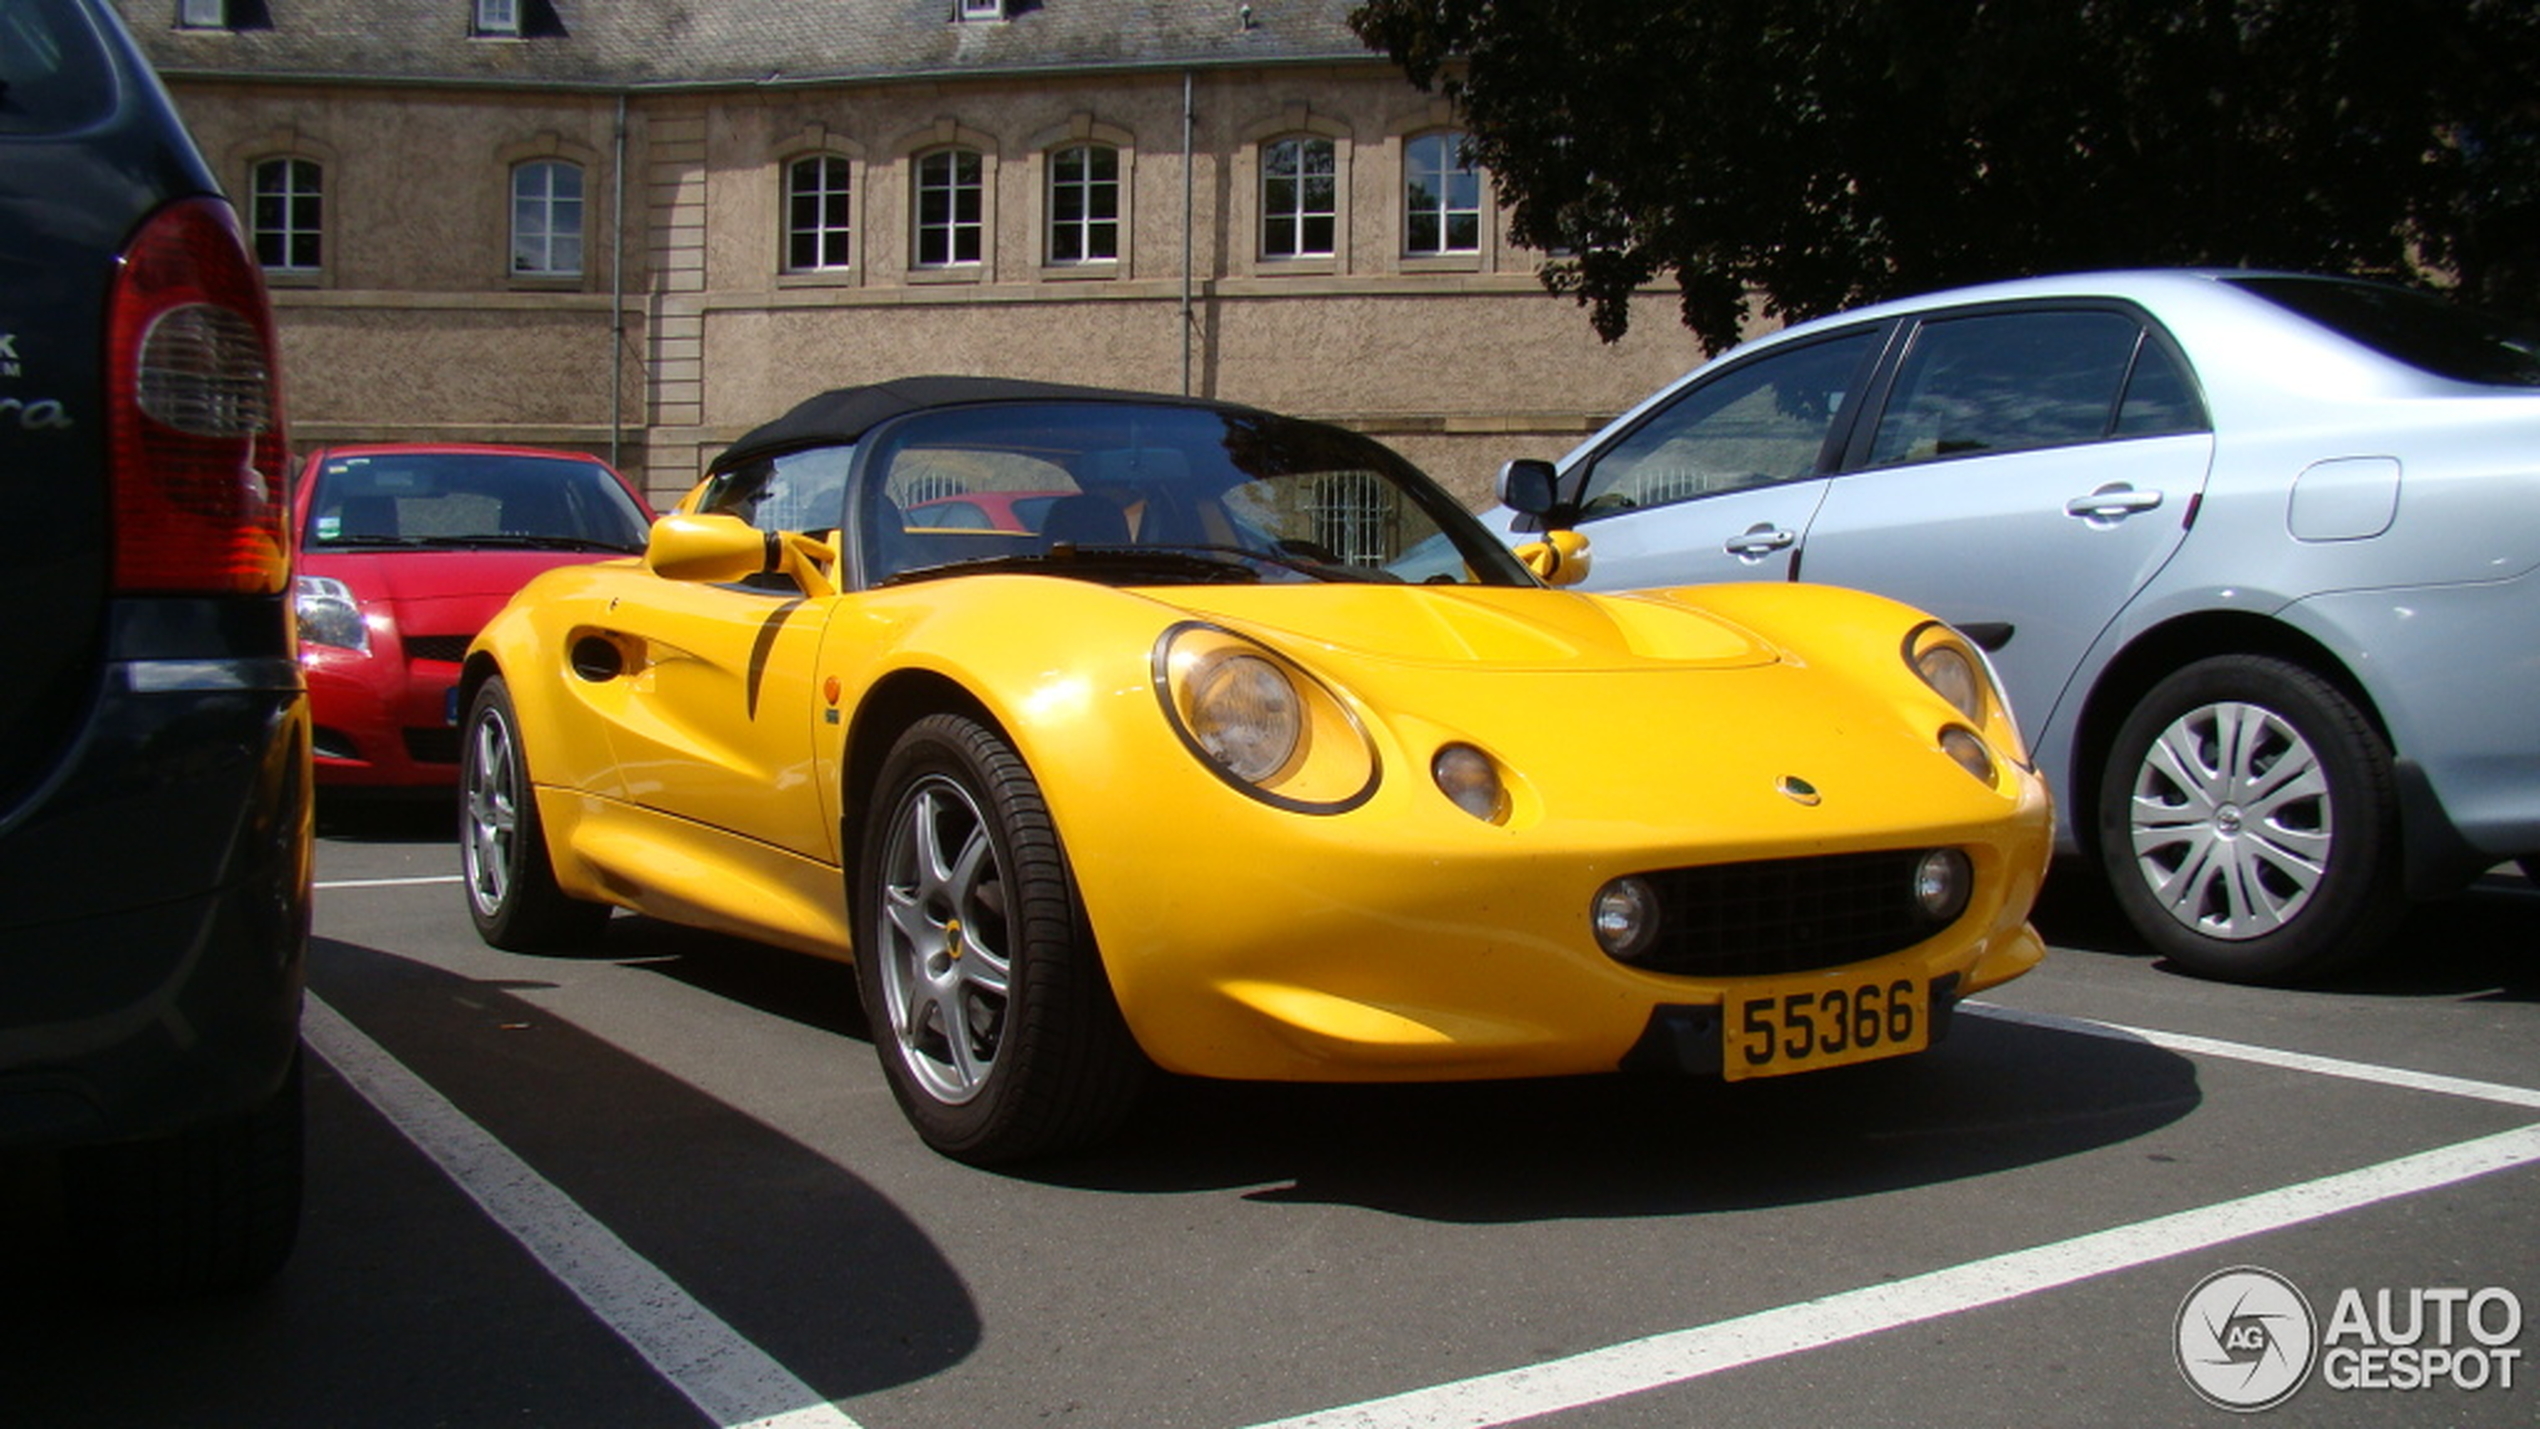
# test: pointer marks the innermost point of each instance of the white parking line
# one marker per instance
(1659, 1361)
(416, 882)
(1670, 1359)
(2399, 1077)
(733, 1381)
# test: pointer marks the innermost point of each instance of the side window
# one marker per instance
(2004, 382)
(1753, 425)
(2160, 398)
(799, 491)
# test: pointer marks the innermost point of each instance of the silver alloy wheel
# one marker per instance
(946, 965)
(491, 794)
(2231, 820)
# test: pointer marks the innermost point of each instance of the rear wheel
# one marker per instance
(511, 882)
(210, 1209)
(989, 1006)
(2248, 822)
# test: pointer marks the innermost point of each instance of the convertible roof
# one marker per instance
(847, 413)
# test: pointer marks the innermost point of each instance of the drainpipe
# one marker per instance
(1186, 232)
(617, 290)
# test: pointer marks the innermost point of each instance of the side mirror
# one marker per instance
(686, 547)
(1529, 486)
(1559, 559)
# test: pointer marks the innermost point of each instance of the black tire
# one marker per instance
(210, 1210)
(990, 1010)
(511, 881)
(2248, 823)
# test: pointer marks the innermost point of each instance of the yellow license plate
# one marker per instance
(1771, 1029)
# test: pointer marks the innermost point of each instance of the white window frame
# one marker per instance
(302, 212)
(952, 227)
(835, 223)
(202, 14)
(979, 10)
(1432, 159)
(1095, 225)
(1290, 222)
(545, 220)
(498, 17)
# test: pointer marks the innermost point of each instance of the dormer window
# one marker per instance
(202, 14)
(979, 10)
(498, 17)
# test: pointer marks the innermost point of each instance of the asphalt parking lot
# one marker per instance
(663, 1183)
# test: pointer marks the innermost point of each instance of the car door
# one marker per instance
(718, 725)
(2028, 471)
(1720, 483)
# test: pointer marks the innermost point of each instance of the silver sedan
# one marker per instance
(2257, 556)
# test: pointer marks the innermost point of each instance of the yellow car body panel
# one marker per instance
(1402, 938)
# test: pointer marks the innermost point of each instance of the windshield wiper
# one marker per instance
(1183, 563)
(512, 541)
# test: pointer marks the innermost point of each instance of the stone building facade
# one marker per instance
(640, 227)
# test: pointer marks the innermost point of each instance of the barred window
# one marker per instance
(1084, 204)
(1300, 198)
(287, 217)
(817, 209)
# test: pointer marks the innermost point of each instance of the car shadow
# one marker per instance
(354, 816)
(389, 1290)
(2482, 944)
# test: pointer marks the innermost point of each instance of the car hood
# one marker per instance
(1505, 629)
(454, 590)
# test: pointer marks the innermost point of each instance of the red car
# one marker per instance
(405, 551)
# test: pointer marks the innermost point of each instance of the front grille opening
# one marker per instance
(1776, 916)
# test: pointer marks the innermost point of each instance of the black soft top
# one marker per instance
(845, 414)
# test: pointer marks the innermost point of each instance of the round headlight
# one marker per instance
(1466, 776)
(1244, 714)
(1953, 673)
(1943, 882)
(1625, 916)
(1963, 745)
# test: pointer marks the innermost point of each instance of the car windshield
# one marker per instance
(2420, 329)
(470, 500)
(1132, 494)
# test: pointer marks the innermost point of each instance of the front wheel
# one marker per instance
(511, 882)
(2248, 822)
(989, 1006)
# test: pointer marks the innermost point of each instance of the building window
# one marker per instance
(547, 220)
(287, 216)
(1441, 196)
(1085, 204)
(498, 17)
(979, 10)
(949, 199)
(202, 14)
(1300, 198)
(817, 222)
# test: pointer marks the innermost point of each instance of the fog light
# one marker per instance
(1943, 881)
(1962, 745)
(1626, 917)
(1465, 775)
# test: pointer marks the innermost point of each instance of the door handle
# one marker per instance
(1759, 541)
(2112, 503)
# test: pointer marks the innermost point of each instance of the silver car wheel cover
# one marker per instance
(946, 971)
(492, 799)
(2231, 821)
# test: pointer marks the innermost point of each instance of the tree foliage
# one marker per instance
(1822, 153)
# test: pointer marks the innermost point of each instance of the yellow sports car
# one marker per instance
(1259, 758)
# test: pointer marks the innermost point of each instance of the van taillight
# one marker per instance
(194, 412)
